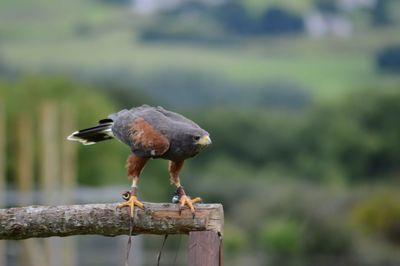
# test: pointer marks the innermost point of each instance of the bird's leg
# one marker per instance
(186, 200)
(131, 198)
(174, 169)
(135, 165)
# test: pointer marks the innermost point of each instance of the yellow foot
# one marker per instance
(131, 203)
(186, 200)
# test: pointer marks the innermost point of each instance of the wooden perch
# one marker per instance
(107, 220)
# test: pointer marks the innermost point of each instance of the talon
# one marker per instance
(186, 200)
(197, 200)
(131, 203)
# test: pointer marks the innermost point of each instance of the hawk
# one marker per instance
(150, 132)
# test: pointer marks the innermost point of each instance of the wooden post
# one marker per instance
(30, 250)
(204, 249)
(49, 152)
(2, 173)
(50, 171)
(68, 178)
(24, 160)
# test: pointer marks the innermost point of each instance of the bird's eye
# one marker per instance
(196, 138)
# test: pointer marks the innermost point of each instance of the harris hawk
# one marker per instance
(150, 132)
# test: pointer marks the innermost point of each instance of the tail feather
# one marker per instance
(89, 136)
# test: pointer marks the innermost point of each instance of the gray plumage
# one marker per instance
(149, 132)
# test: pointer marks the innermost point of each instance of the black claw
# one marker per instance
(193, 215)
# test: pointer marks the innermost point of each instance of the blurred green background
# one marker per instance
(301, 99)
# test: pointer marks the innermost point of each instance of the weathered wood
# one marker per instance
(204, 249)
(49, 168)
(31, 249)
(24, 164)
(68, 171)
(107, 220)
(68, 176)
(50, 171)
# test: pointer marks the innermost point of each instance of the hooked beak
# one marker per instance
(204, 141)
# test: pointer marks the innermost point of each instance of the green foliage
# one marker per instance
(198, 27)
(327, 67)
(208, 23)
(283, 237)
(255, 136)
(327, 6)
(278, 21)
(388, 59)
(353, 139)
(362, 132)
(380, 215)
(205, 88)
(380, 14)
(325, 238)
(234, 239)
(302, 237)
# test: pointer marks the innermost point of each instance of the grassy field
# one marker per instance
(47, 36)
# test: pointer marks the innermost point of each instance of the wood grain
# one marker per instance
(204, 249)
(107, 220)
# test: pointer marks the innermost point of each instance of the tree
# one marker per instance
(388, 59)
(279, 21)
(380, 13)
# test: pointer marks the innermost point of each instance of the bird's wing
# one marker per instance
(145, 140)
(176, 117)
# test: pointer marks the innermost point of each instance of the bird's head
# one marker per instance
(189, 141)
(201, 139)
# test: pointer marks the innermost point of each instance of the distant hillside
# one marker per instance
(97, 41)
